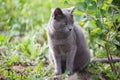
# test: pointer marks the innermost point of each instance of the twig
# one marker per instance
(107, 51)
(105, 60)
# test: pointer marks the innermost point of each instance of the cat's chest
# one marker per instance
(62, 41)
(63, 48)
(71, 39)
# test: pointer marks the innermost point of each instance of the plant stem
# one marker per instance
(108, 56)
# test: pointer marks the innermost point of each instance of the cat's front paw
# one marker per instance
(57, 77)
(71, 73)
(57, 73)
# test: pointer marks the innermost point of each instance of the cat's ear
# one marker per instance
(58, 14)
(71, 9)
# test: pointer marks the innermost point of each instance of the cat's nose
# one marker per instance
(70, 29)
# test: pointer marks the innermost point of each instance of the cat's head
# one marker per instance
(62, 19)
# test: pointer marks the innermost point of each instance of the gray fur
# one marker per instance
(67, 46)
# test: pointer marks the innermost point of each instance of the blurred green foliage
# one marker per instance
(23, 38)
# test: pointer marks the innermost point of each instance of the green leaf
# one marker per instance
(98, 23)
(1, 37)
(66, 2)
(117, 17)
(92, 8)
(100, 1)
(102, 11)
(81, 5)
(88, 1)
(95, 30)
(39, 66)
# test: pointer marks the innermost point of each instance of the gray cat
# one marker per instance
(67, 46)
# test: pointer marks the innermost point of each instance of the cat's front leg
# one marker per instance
(57, 64)
(70, 59)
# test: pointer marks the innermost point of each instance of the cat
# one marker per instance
(67, 45)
